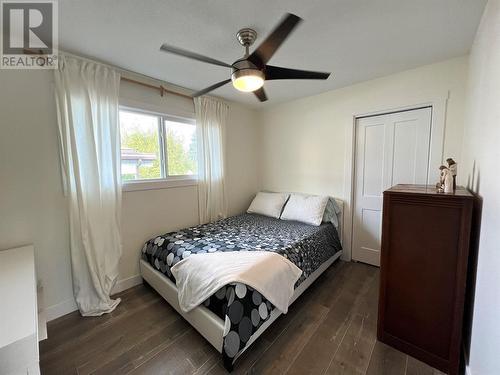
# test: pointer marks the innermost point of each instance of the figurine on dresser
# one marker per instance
(452, 166)
(447, 177)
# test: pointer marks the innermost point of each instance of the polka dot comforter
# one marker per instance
(243, 309)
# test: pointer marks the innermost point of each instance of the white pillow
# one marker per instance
(308, 209)
(268, 204)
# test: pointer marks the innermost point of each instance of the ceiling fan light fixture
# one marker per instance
(248, 80)
(249, 72)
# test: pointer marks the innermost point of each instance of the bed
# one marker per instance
(236, 315)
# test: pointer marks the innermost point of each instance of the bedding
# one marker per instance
(268, 204)
(307, 209)
(332, 209)
(272, 275)
(242, 308)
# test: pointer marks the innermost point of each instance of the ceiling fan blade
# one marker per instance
(261, 94)
(276, 72)
(192, 55)
(271, 44)
(210, 88)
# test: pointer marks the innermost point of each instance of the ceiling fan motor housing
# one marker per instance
(245, 67)
(246, 36)
(243, 64)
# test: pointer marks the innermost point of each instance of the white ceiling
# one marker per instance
(356, 40)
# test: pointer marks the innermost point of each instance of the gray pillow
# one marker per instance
(331, 211)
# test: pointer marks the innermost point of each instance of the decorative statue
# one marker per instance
(443, 171)
(448, 181)
(452, 166)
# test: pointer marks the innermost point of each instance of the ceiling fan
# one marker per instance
(249, 73)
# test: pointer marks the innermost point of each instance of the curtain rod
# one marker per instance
(160, 87)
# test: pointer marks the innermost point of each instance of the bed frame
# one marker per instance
(208, 324)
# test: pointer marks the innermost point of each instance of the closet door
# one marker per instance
(390, 149)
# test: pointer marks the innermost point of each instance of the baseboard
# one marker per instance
(127, 283)
(60, 309)
(68, 306)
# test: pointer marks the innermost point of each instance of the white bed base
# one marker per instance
(205, 321)
(209, 325)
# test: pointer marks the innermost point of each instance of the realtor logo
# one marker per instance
(29, 34)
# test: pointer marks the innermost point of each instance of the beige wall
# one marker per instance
(307, 143)
(32, 204)
(479, 170)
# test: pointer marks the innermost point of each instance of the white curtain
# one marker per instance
(211, 116)
(87, 106)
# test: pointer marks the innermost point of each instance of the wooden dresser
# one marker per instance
(425, 247)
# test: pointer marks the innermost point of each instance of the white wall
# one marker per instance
(307, 143)
(32, 204)
(481, 154)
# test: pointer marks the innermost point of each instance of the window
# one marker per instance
(181, 148)
(140, 146)
(156, 147)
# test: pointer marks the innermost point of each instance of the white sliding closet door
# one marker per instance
(390, 149)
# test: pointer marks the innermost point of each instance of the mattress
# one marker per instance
(242, 308)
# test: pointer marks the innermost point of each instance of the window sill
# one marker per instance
(158, 184)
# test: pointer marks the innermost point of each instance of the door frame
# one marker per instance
(438, 122)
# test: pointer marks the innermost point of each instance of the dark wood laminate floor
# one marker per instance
(330, 329)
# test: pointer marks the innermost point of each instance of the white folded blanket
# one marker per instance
(201, 275)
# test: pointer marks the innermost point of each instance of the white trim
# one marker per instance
(438, 104)
(163, 183)
(60, 309)
(127, 283)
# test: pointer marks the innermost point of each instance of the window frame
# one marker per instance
(165, 181)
